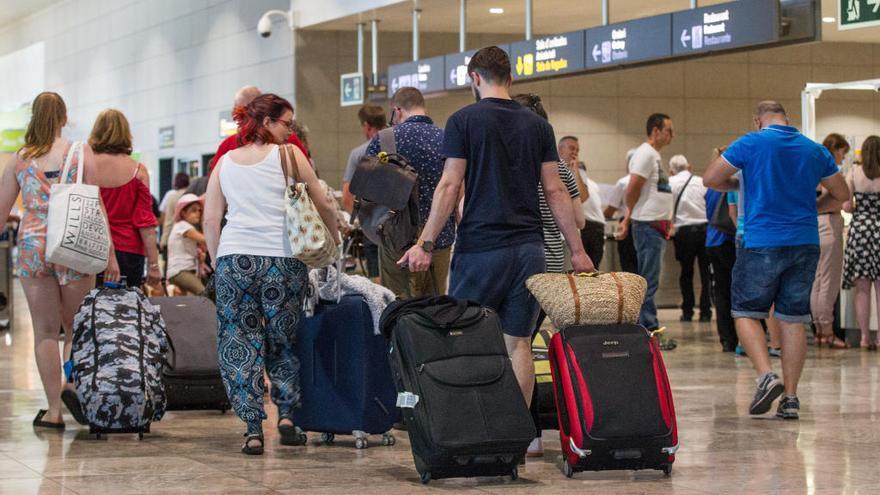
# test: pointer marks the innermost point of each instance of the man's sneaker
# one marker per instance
(769, 388)
(774, 352)
(789, 406)
(740, 351)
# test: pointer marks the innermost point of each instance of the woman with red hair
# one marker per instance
(259, 284)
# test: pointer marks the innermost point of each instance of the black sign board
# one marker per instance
(725, 26)
(425, 75)
(539, 57)
(456, 68)
(629, 42)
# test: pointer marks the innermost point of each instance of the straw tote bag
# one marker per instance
(310, 240)
(78, 235)
(589, 298)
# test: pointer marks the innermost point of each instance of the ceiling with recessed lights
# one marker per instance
(549, 16)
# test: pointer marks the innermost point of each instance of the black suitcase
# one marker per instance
(543, 405)
(465, 413)
(192, 380)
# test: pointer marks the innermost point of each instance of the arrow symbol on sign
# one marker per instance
(685, 37)
(347, 89)
(875, 4)
(596, 53)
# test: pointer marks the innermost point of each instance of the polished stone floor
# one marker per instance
(830, 450)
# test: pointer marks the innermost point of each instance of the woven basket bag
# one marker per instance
(589, 298)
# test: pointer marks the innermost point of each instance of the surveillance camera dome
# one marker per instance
(264, 27)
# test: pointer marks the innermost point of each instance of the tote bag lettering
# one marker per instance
(78, 236)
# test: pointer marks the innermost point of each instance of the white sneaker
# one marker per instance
(536, 448)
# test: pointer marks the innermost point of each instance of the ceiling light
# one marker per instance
(496, 10)
(828, 20)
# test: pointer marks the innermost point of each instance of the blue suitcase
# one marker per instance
(346, 380)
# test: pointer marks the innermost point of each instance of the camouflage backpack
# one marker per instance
(119, 346)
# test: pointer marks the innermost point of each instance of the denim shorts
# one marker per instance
(776, 275)
(497, 279)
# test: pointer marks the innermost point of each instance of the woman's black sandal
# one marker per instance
(290, 434)
(248, 449)
(39, 423)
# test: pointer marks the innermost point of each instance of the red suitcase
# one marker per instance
(613, 399)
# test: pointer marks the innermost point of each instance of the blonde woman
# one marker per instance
(53, 292)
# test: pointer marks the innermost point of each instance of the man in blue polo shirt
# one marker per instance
(777, 261)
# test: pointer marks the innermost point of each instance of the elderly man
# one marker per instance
(689, 219)
(777, 261)
(242, 98)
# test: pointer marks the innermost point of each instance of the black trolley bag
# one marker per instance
(465, 412)
(192, 379)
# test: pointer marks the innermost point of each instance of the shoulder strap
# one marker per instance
(288, 161)
(387, 141)
(678, 199)
(75, 147)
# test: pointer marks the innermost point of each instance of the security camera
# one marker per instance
(264, 27)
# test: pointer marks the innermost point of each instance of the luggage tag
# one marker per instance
(407, 399)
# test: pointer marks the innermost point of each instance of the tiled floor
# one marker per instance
(831, 450)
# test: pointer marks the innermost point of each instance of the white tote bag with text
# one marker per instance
(78, 235)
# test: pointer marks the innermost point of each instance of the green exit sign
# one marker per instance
(855, 14)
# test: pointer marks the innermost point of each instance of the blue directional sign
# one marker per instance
(553, 55)
(628, 42)
(425, 75)
(351, 89)
(725, 26)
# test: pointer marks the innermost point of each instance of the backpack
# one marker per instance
(119, 346)
(721, 220)
(387, 205)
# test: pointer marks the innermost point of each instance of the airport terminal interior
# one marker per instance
(600, 68)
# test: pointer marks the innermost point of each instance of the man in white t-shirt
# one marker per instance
(689, 218)
(616, 210)
(649, 215)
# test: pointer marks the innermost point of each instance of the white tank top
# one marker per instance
(255, 208)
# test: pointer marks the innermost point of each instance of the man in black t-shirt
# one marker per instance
(501, 151)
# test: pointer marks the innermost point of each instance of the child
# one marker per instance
(186, 245)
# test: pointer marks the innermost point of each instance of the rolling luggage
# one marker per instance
(543, 405)
(192, 379)
(463, 406)
(346, 381)
(614, 399)
(118, 353)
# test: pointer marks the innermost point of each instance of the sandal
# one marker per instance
(252, 450)
(71, 401)
(39, 423)
(832, 341)
(290, 434)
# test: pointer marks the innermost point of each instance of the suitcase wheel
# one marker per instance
(567, 470)
(425, 478)
(514, 474)
(327, 438)
(361, 443)
(97, 436)
(388, 440)
(140, 435)
(667, 469)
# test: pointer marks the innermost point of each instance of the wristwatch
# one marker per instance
(427, 246)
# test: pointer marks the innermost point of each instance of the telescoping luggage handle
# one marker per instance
(577, 298)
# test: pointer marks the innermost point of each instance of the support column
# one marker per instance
(462, 26)
(360, 47)
(415, 34)
(374, 32)
(606, 12)
(529, 19)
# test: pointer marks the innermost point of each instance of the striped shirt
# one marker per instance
(554, 254)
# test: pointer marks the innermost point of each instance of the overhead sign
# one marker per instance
(351, 89)
(456, 68)
(559, 54)
(725, 26)
(425, 75)
(629, 42)
(853, 14)
(166, 137)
